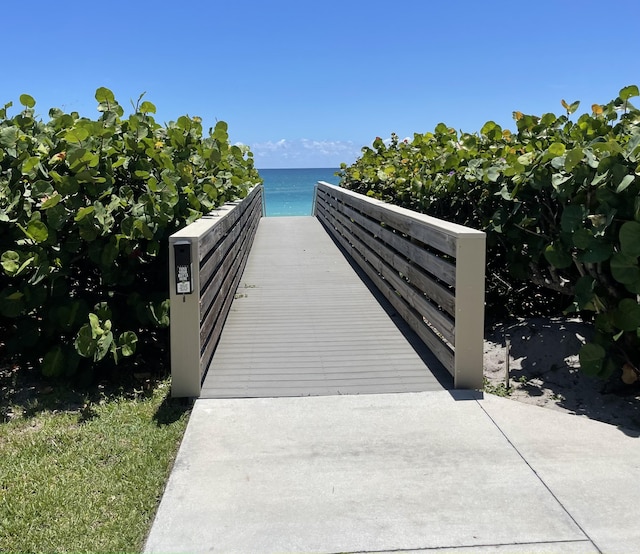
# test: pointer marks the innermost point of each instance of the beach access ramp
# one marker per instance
(290, 306)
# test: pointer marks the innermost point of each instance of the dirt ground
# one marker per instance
(543, 369)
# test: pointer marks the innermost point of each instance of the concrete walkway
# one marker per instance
(447, 470)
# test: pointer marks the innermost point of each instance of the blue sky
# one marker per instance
(308, 83)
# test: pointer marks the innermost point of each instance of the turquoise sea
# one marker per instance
(290, 191)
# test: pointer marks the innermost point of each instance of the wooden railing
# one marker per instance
(431, 271)
(218, 245)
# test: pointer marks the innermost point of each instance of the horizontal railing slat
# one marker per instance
(215, 266)
(424, 228)
(209, 240)
(432, 271)
(213, 327)
(433, 342)
(442, 269)
(376, 257)
(219, 246)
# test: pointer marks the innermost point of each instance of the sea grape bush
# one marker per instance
(559, 200)
(86, 209)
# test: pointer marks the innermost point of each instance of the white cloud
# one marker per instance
(304, 153)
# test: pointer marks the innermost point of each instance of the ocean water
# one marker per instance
(290, 191)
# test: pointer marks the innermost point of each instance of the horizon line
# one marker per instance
(281, 168)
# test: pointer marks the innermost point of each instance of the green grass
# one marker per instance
(499, 390)
(86, 479)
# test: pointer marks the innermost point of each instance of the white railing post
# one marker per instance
(470, 279)
(185, 318)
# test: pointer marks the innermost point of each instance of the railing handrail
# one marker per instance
(218, 244)
(431, 270)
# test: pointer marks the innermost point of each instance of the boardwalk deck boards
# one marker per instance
(304, 323)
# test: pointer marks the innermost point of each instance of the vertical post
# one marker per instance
(185, 325)
(507, 358)
(469, 331)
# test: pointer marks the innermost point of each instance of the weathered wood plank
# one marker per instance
(440, 268)
(213, 272)
(422, 227)
(435, 344)
(217, 314)
(225, 217)
(442, 296)
(443, 323)
(399, 250)
(186, 332)
(304, 323)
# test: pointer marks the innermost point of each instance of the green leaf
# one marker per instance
(10, 262)
(632, 145)
(53, 364)
(51, 202)
(88, 232)
(3, 111)
(84, 212)
(624, 183)
(84, 343)
(29, 165)
(598, 251)
(76, 135)
(221, 128)
(105, 95)
(584, 292)
(572, 218)
(147, 107)
(582, 238)
(94, 340)
(37, 231)
(68, 315)
(629, 92)
(625, 269)
(56, 216)
(159, 312)
(573, 158)
(558, 179)
(8, 137)
(127, 343)
(557, 149)
(41, 188)
(526, 159)
(27, 101)
(184, 123)
(493, 173)
(570, 107)
(96, 327)
(604, 323)
(591, 358)
(630, 238)
(491, 130)
(627, 315)
(103, 346)
(557, 256)
(13, 265)
(109, 255)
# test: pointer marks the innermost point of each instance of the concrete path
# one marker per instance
(447, 470)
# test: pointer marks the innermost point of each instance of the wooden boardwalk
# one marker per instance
(305, 323)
